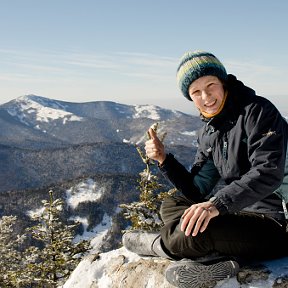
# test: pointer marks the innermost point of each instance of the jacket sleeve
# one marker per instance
(197, 183)
(267, 143)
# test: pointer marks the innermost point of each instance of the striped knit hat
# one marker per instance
(194, 65)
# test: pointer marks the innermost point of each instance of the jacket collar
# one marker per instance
(231, 110)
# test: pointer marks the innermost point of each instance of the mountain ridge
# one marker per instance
(48, 141)
(59, 122)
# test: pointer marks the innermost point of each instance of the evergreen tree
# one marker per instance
(10, 260)
(58, 258)
(145, 214)
(46, 266)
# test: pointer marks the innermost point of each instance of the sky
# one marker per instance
(128, 51)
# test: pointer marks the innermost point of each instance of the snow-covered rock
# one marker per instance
(119, 268)
(123, 269)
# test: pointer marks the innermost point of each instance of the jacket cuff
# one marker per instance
(167, 162)
(219, 205)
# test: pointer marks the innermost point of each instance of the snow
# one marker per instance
(41, 110)
(146, 111)
(35, 213)
(88, 190)
(84, 191)
(40, 211)
(99, 230)
(189, 133)
(88, 273)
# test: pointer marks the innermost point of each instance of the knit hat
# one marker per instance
(194, 65)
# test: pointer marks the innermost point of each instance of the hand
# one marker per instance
(154, 148)
(197, 217)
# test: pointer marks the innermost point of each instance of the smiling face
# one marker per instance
(207, 93)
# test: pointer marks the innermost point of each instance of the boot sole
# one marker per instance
(191, 274)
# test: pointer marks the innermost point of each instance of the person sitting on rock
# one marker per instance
(243, 141)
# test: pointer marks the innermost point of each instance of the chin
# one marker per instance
(212, 111)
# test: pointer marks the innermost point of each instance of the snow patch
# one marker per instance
(95, 235)
(88, 273)
(189, 133)
(39, 110)
(35, 212)
(84, 191)
(146, 111)
(40, 211)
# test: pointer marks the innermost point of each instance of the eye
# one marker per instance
(211, 85)
(195, 93)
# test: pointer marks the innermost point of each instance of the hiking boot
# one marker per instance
(144, 243)
(190, 274)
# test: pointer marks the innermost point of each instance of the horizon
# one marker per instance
(128, 52)
(190, 112)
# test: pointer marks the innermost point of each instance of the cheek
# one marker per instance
(219, 95)
(197, 102)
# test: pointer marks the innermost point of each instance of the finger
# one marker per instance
(153, 155)
(187, 215)
(150, 146)
(193, 221)
(185, 212)
(189, 221)
(205, 223)
(200, 221)
(186, 218)
(152, 133)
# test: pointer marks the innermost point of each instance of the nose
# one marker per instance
(205, 95)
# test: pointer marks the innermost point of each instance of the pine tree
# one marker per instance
(58, 258)
(46, 266)
(145, 214)
(10, 260)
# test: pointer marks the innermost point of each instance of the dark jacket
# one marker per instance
(245, 145)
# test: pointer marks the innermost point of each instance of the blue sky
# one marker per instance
(127, 51)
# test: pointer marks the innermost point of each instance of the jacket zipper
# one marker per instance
(225, 148)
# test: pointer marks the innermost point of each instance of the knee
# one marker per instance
(167, 203)
(176, 243)
(167, 209)
(182, 246)
(172, 208)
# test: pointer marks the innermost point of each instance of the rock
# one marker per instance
(144, 272)
(123, 269)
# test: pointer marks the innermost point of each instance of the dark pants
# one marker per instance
(247, 236)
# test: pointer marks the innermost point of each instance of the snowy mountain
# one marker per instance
(57, 122)
(44, 141)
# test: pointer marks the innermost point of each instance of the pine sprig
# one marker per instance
(145, 214)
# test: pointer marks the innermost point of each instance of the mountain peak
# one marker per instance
(33, 110)
(43, 101)
(92, 122)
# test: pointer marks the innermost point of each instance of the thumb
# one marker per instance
(152, 133)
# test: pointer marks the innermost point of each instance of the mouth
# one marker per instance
(209, 105)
